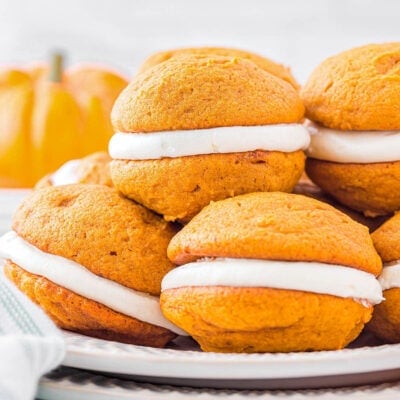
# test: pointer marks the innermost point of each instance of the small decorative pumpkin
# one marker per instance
(48, 116)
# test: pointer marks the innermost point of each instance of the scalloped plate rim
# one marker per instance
(88, 385)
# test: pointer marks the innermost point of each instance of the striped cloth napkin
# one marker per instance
(30, 344)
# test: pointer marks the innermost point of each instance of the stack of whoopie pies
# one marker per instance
(214, 140)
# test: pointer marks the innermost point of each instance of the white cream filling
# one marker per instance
(313, 277)
(66, 174)
(361, 147)
(390, 276)
(234, 139)
(78, 279)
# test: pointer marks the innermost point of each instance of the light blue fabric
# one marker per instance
(30, 344)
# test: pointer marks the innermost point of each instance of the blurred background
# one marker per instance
(50, 114)
(121, 33)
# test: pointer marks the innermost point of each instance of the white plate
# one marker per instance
(71, 384)
(185, 365)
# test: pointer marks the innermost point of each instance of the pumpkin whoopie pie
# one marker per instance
(93, 261)
(271, 272)
(195, 129)
(354, 100)
(264, 63)
(386, 319)
(94, 168)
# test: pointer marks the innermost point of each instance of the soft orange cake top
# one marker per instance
(94, 226)
(204, 92)
(264, 63)
(276, 226)
(358, 89)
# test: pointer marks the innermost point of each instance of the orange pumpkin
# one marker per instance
(48, 117)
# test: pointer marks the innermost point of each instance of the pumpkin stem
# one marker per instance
(56, 67)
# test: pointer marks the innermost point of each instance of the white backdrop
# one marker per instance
(122, 32)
